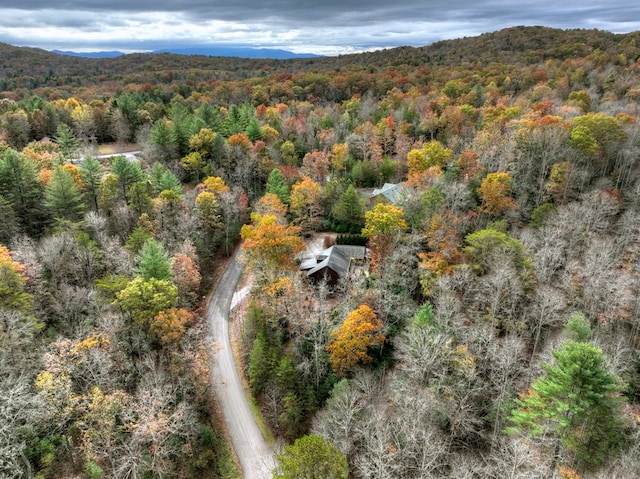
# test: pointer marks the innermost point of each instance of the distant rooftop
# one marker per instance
(393, 192)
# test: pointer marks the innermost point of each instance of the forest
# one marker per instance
(492, 331)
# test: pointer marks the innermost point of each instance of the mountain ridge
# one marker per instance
(208, 51)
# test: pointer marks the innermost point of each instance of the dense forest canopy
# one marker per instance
(492, 330)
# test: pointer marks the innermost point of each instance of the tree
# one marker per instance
(142, 299)
(253, 130)
(12, 284)
(495, 193)
(164, 141)
(153, 262)
(557, 186)
(431, 154)
(163, 179)
(277, 184)
(288, 153)
(270, 246)
(202, 141)
(231, 210)
(140, 202)
(311, 457)
(577, 404)
(83, 123)
(349, 343)
(193, 164)
(489, 247)
(167, 327)
(316, 165)
(186, 277)
(19, 185)
(91, 175)
(9, 224)
(215, 185)
(604, 129)
(63, 196)
(270, 204)
(350, 208)
(127, 173)
(382, 225)
(339, 154)
(207, 206)
(305, 203)
(66, 140)
(15, 126)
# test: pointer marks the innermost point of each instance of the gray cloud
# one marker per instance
(325, 26)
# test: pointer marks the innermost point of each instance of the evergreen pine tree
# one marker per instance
(19, 185)
(277, 184)
(66, 139)
(576, 404)
(127, 172)
(91, 176)
(253, 130)
(153, 262)
(349, 210)
(63, 196)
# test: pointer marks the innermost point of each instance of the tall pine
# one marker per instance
(63, 196)
(574, 408)
(153, 262)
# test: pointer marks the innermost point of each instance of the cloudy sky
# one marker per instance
(303, 26)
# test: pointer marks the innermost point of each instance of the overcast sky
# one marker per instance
(303, 26)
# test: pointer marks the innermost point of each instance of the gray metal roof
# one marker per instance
(353, 251)
(392, 191)
(333, 259)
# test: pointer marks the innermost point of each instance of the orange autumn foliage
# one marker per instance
(271, 204)
(495, 192)
(6, 259)
(268, 243)
(186, 277)
(240, 140)
(349, 343)
(168, 326)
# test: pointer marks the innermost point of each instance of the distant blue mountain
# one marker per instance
(240, 52)
(111, 54)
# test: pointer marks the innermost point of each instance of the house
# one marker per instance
(332, 263)
(389, 193)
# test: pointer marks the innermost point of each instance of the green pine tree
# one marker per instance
(349, 210)
(277, 184)
(576, 405)
(9, 224)
(153, 262)
(128, 173)
(66, 139)
(20, 187)
(165, 141)
(253, 130)
(91, 176)
(63, 196)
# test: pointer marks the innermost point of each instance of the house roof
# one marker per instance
(353, 251)
(394, 192)
(332, 258)
(308, 263)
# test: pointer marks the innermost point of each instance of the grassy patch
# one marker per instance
(115, 148)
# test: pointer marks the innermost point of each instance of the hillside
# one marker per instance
(490, 329)
(519, 46)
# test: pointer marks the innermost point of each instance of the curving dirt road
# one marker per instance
(256, 458)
